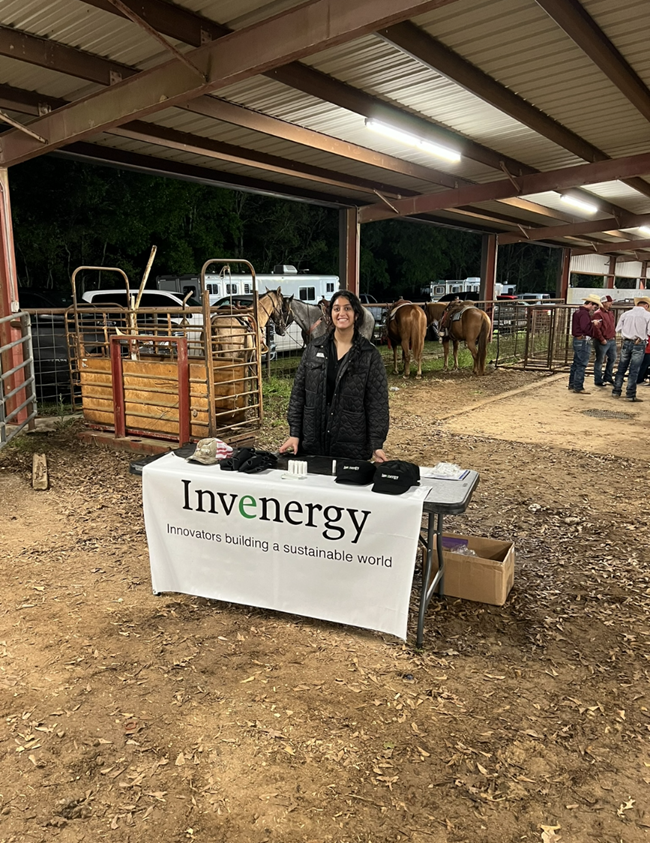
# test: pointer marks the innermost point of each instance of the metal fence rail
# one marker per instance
(17, 395)
(163, 373)
(51, 365)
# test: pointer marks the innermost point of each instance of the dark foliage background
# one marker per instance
(67, 214)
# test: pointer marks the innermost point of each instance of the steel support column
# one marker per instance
(562, 288)
(489, 251)
(611, 274)
(9, 299)
(349, 248)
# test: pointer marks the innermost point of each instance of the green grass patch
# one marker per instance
(276, 392)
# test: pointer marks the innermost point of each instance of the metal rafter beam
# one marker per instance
(294, 34)
(27, 102)
(179, 24)
(614, 248)
(427, 50)
(173, 139)
(583, 29)
(639, 257)
(68, 60)
(558, 180)
(171, 18)
(237, 115)
(173, 21)
(577, 228)
(190, 172)
(326, 88)
(133, 16)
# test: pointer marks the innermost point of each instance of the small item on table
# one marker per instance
(250, 461)
(210, 451)
(395, 477)
(298, 468)
(355, 472)
(446, 471)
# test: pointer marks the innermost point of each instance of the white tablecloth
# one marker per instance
(311, 547)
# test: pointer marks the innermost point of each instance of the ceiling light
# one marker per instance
(579, 203)
(412, 140)
(644, 229)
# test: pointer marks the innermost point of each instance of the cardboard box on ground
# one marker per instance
(484, 578)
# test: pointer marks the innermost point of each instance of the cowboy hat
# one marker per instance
(592, 298)
(642, 300)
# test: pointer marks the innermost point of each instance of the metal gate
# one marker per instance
(534, 336)
(17, 396)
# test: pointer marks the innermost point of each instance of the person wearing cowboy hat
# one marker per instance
(634, 328)
(582, 329)
(604, 342)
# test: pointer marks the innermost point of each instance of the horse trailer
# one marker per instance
(303, 286)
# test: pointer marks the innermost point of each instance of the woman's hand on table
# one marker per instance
(379, 455)
(291, 444)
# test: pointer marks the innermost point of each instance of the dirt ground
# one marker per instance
(128, 717)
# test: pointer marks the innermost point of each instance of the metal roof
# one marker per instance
(540, 97)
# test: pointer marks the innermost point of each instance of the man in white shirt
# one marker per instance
(634, 328)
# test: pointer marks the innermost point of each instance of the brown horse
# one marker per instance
(236, 332)
(406, 326)
(465, 322)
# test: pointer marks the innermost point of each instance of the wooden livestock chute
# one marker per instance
(179, 374)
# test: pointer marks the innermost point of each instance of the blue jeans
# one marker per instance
(604, 352)
(581, 355)
(644, 368)
(631, 355)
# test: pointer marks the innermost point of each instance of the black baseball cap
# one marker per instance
(396, 476)
(355, 472)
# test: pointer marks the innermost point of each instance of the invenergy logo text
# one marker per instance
(334, 522)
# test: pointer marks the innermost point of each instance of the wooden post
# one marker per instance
(9, 301)
(349, 248)
(611, 275)
(489, 254)
(562, 288)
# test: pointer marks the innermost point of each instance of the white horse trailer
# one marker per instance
(304, 286)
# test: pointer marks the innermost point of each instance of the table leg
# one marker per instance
(428, 590)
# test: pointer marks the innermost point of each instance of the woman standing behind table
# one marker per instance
(339, 400)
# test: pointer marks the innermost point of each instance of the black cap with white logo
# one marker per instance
(396, 476)
(356, 472)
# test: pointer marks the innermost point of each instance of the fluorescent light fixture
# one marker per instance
(412, 140)
(645, 230)
(579, 203)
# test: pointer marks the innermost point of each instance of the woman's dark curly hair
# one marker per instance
(357, 307)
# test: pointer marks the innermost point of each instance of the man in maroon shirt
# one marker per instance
(604, 329)
(582, 329)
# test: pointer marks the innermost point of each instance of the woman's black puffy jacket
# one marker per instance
(357, 421)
